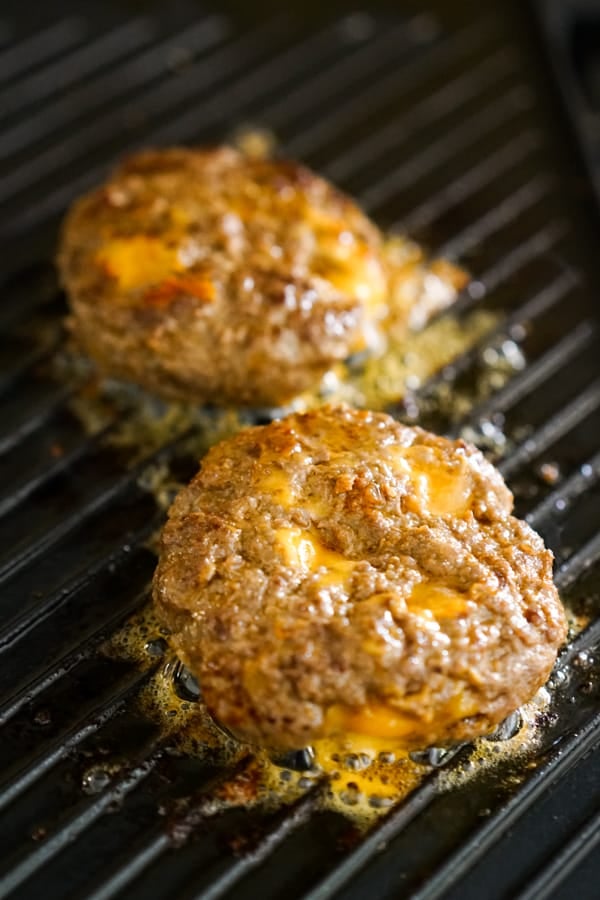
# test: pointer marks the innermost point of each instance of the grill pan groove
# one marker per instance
(32, 51)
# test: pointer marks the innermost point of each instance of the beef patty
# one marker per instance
(205, 275)
(338, 572)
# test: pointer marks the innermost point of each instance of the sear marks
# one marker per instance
(338, 572)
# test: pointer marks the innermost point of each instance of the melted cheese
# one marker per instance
(297, 547)
(303, 550)
(440, 490)
(386, 728)
(356, 272)
(436, 601)
(279, 487)
(138, 261)
(363, 279)
(372, 721)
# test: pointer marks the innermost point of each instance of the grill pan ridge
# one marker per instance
(441, 122)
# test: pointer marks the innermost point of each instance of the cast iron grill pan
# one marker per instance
(443, 124)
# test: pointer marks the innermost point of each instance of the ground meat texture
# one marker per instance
(338, 572)
(210, 276)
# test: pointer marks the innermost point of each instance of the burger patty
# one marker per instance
(205, 275)
(209, 276)
(338, 572)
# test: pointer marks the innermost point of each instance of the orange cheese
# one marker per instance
(303, 550)
(441, 490)
(387, 727)
(138, 261)
(436, 601)
(279, 486)
(373, 721)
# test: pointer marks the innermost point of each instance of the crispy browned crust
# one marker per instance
(267, 269)
(276, 647)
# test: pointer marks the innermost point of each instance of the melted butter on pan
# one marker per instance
(364, 774)
(150, 422)
(367, 777)
(410, 360)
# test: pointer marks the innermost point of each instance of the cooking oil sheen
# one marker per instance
(362, 779)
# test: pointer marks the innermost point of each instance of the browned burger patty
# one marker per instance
(210, 276)
(340, 572)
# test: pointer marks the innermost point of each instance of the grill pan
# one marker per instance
(441, 121)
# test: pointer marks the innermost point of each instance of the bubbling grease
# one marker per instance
(361, 775)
